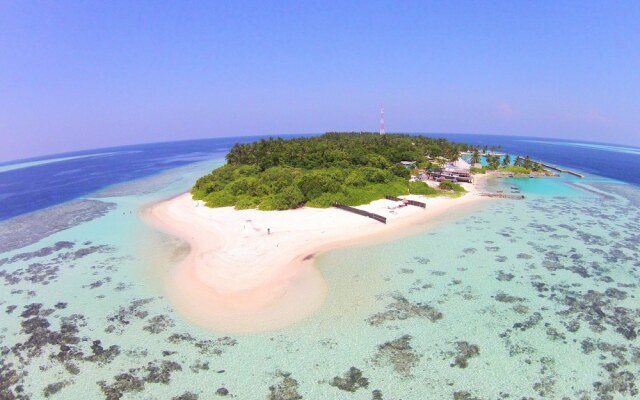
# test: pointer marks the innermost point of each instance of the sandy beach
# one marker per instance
(253, 270)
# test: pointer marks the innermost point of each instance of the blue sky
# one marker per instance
(85, 74)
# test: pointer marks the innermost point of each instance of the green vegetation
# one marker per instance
(506, 160)
(527, 163)
(422, 188)
(346, 168)
(475, 170)
(493, 162)
(448, 185)
(475, 158)
(515, 169)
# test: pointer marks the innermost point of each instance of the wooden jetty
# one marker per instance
(502, 195)
(354, 210)
(410, 202)
(553, 167)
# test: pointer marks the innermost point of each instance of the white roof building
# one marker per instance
(459, 165)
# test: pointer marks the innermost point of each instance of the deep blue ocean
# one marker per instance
(34, 184)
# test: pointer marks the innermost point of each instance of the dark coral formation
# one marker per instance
(28, 229)
(505, 298)
(186, 396)
(206, 346)
(351, 381)
(45, 272)
(199, 366)
(600, 310)
(135, 379)
(545, 387)
(399, 354)
(619, 382)
(529, 323)
(125, 315)
(159, 324)
(54, 388)
(10, 380)
(43, 252)
(286, 389)
(402, 309)
(465, 351)
(503, 276)
(464, 395)
(61, 345)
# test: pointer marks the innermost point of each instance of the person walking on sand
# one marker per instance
(268, 231)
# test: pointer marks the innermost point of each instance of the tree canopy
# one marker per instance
(347, 168)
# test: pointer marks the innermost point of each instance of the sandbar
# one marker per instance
(253, 271)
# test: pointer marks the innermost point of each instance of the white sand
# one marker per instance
(240, 278)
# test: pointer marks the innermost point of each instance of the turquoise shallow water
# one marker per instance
(535, 298)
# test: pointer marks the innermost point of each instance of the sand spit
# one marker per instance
(251, 271)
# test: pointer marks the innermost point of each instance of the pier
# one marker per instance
(553, 167)
(410, 202)
(502, 195)
(354, 210)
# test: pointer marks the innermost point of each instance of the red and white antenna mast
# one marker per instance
(382, 119)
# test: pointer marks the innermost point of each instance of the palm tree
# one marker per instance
(506, 160)
(475, 158)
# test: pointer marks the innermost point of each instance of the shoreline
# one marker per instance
(252, 271)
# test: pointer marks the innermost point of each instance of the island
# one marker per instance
(343, 168)
(256, 225)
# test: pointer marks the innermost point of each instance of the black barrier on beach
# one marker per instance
(377, 217)
(412, 202)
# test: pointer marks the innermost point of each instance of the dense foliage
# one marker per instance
(346, 168)
(448, 185)
(515, 169)
(527, 163)
(522, 165)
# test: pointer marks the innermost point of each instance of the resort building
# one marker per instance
(457, 171)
